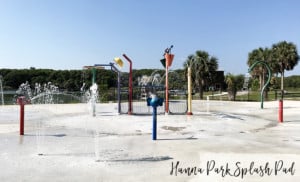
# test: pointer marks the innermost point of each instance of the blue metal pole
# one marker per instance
(154, 114)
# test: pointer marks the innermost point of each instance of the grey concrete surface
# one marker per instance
(65, 143)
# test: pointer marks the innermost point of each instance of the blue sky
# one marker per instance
(69, 34)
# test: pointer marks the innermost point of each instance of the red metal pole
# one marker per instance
(21, 119)
(21, 102)
(280, 111)
(169, 60)
(130, 85)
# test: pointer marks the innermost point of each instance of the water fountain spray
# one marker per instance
(40, 95)
(94, 97)
(92, 94)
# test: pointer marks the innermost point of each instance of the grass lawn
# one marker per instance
(290, 94)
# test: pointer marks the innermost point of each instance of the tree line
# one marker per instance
(74, 80)
(71, 80)
(281, 57)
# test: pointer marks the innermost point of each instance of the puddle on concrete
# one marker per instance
(59, 135)
(270, 125)
(189, 138)
(218, 135)
(67, 154)
(142, 159)
(173, 128)
(228, 116)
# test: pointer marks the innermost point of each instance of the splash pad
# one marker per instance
(71, 140)
(65, 140)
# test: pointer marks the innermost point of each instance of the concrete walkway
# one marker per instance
(222, 141)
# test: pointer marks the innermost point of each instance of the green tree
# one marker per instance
(274, 83)
(260, 71)
(286, 56)
(254, 84)
(16, 77)
(234, 83)
(260, 54)
(292, 82)
(203, 66)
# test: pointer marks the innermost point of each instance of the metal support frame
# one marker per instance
(130, 85)
(168, 62)
(267, 83)
(115, 69)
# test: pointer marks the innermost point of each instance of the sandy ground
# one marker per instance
(221, 141)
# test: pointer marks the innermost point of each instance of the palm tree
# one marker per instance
(231, 89)
(212, 68)
(234, 83)
(260, 54)
(203, 65)
(286, 56)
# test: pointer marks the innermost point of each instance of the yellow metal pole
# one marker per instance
(189, 91)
